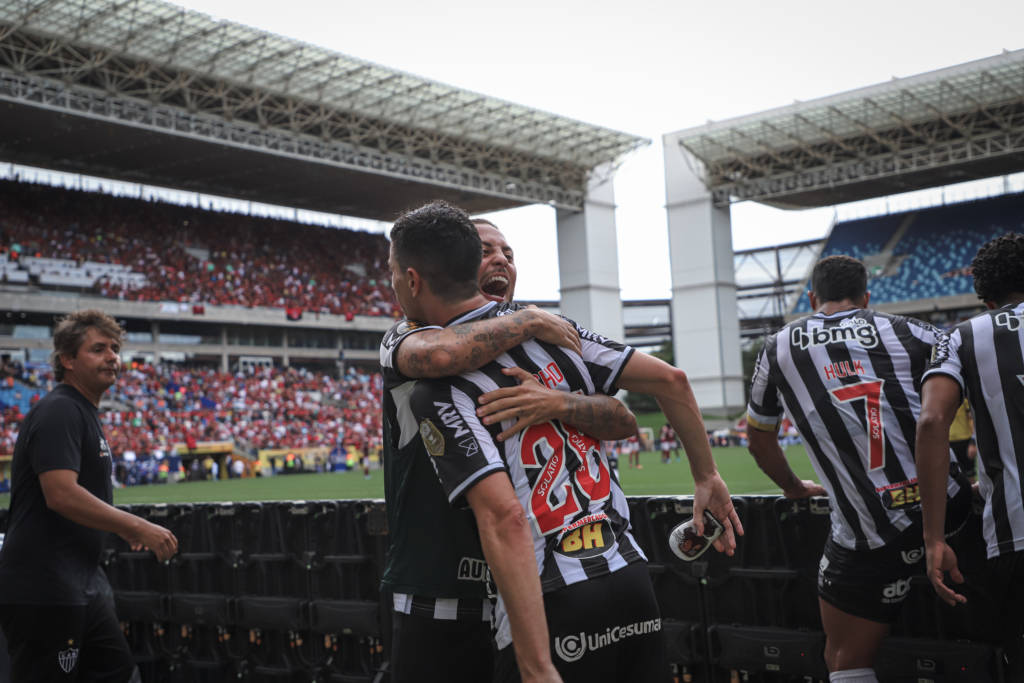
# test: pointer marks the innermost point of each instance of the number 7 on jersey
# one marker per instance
(871, 392)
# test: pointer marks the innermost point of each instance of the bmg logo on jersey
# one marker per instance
(850, 330)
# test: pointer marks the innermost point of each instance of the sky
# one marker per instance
(647, 67)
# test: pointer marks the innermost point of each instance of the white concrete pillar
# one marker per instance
(588, 261)
(705, 319)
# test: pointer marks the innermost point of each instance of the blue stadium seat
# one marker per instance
(930, 258)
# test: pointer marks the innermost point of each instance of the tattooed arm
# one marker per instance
(461, 348)
(600, 416)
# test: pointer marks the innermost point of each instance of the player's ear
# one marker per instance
(867, 300)
(813, 299)
(414, 281)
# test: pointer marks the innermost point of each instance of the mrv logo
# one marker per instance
(451, 418)
(850, 330)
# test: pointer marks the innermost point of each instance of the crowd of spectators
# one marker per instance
(154, 407)
(190, 255)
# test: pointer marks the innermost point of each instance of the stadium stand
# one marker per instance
(135, 250)
(923, 254)
(152, 408)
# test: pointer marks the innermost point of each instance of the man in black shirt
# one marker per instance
(56, 606)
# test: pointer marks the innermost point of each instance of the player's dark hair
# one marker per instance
(440, 241)
(484, 221)
(999, 268)
(839, 277)
(70, 332)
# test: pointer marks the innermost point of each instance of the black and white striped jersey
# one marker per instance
(577, 510)
(986, 356)
(850, 382)
(431, 574)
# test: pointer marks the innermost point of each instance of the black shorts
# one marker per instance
(1005, 578)
(873, 584)
(67, 642)
(429, 650)
(604, 629)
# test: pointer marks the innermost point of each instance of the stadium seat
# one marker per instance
(343, 565)
(677, 584)
(935, 661)
(803, 527)
(794, 653)
(271, 563)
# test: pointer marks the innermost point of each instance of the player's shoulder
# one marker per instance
(400, 329)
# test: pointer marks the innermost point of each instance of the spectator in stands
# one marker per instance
(847, 376)
(192, 256)
(982, 360)
(58, 609)
(10, 369)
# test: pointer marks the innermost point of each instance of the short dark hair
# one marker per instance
(70, 333)
(440, 241)
(484, 221)
(839, 277)
(999, 268)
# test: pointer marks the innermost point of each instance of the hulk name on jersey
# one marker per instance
(850, 381)
(577, 510)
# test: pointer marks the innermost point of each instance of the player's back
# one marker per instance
(850, 382)
(986, 356)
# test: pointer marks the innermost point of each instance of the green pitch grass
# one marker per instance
(735, 464)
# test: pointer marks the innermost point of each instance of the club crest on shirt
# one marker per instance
(433, 440)
(66, 659)
(104, 448)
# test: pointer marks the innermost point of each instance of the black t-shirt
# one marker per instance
(47, 558)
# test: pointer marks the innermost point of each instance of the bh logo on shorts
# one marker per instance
(66, 659)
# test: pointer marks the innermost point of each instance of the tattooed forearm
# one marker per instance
(465, 347)
(602, 417)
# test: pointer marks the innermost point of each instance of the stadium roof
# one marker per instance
(154, 54)
(941, 127)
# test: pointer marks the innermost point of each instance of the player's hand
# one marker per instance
(805, 489)
(149, 536)
(528, 403)
(941, 558)
(712, 494)
(553, 329)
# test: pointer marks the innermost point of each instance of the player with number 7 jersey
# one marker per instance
(577, 511)
(850, 381)
(849, 377)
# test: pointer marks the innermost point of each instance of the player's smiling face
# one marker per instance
(497, 269)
